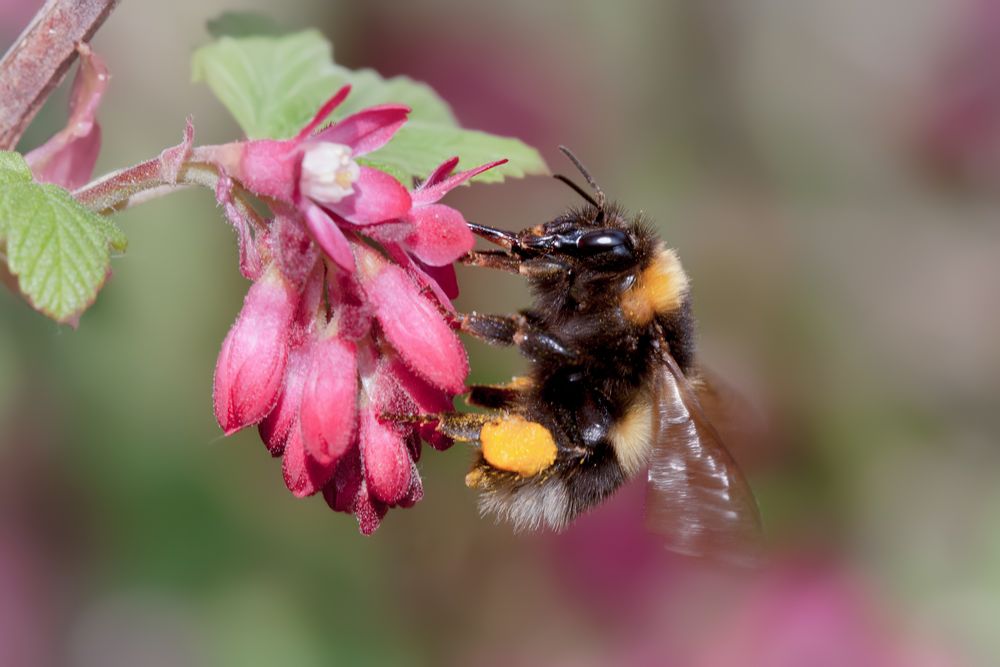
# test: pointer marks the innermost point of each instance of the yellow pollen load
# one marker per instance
(517, 445)
(659, 290)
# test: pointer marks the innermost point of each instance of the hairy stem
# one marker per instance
(40, 58)
(148, 180)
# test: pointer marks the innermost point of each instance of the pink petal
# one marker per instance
(323, 112)
(377, 197)
(303, 475)
(414, 447)
(420, 274)
(416, 491)
(392, 232)
(444, 277)
(441, 172)
(292, 246)
(342, 491)
(329, 237)
(439, 236)
(417, 330)
(251, 365)
(386, 460)
(367, 130)
(429, 195)
(426, 399)
(275, 428)
(68, 158)
(368, 510)
(329, 400)
(435, 439)
(311, 310)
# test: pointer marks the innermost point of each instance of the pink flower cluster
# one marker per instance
(324, 351)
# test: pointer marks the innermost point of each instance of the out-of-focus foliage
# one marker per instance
(273, 84)
(842, 280)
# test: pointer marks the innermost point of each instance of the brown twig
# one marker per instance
(39, 59)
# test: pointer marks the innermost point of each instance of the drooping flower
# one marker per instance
(355, 336)
(439, 234)
(432, 236)
(68, 158)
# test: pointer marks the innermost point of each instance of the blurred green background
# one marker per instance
(829, 173)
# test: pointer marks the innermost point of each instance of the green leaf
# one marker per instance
(271, 85)
(432, 135)
(58, 249)
(419, 147)
(274, 84)
(243, 24)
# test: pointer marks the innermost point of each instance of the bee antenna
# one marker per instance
(580, 191)
(601, 199)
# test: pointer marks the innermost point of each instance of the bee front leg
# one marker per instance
(493, 259)
(536, 268)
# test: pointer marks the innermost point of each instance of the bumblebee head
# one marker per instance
(597, 237)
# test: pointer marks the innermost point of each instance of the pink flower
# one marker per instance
(432, 236)
(337, 338)
(317, 172)
(438, 234)
(68, 158)
(956, 126)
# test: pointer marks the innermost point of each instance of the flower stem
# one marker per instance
(37, 62)
(147, 180)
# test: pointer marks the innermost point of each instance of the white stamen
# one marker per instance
(328, 172)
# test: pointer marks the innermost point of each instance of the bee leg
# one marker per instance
(498, 396)
(515, 330)
(459, 426)
(537, 268)
(541, 268)
(493, 259)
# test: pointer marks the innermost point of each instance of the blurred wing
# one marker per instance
(697, 499)
(739, 423)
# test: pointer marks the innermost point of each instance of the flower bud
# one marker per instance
(275, 428)
(386, 460)
(303, 474)
(329, 413)
(251, 364)
(415, 327)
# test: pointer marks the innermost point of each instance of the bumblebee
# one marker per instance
(612, 388)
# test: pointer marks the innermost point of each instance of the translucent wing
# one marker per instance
(739, 423)
(697, 499)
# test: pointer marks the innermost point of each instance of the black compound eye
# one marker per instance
(604, 240)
